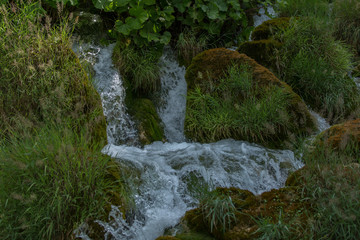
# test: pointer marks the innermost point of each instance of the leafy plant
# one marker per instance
(218, 211)
(316, 66)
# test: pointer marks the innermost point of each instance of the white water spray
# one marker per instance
(172, 174)
(173, 95)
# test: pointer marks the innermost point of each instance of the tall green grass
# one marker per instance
(51, 181)
(304, 8)
(41, 78)
(347, 22)
(236, 107)
(316, 66)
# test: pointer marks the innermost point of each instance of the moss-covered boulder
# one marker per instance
(231, 96)
(342, 138)
(263, 51)
(147, 121)
(267, 29)
(276, 205)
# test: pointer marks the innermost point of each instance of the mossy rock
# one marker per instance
(341, 138)
(147, 121)
(206, 72)
(287, 200)
(268, 28)
(263, 51)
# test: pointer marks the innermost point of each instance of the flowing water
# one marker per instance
(173, 174)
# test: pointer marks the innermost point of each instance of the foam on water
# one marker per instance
(108, 83)
(171, 171)
(172, 174)
(173, 95)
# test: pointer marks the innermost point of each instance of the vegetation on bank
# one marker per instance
(53, 176)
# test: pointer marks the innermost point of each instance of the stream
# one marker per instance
(173, 174)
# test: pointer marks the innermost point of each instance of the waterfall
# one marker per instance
(173, 95)
(173, 174)
(108, 83)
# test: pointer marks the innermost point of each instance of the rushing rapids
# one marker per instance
(171, 173)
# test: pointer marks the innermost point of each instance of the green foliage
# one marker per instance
(347, 22)
(41, 78)
(236, 107)
(269, 230)
(218, 211)
(291, 8)
(139, 66)
(316, 66)
(150, 21)
(51, 181)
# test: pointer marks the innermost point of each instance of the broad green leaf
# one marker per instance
(221, 4)
(214, 27)
(122, 28)
(121, 3)
(149, 2)
(213, 11)
(165, 38)
(140, 13)
(133, 23)
(235, 4)
(181, 5)
(237, 15)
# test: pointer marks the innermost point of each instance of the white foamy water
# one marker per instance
(108, 83)
(171, 171)
(321, 122)
(171, 175)
(262, 17)
(173, 96)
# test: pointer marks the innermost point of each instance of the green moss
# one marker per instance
(263, 51)
(269, 28)
(208, 82)
(194, 236)
(148, 121)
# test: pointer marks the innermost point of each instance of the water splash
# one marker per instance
(321, 122)
(171, 174)
(262, 16)
(108, 83)
(173, 96)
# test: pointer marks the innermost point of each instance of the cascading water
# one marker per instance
(108, 83)
(321, 122)
(173, 94)
(171, 174)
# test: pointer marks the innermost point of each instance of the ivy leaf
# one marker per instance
(122, 28)
(140, 13)
(133, 23)
(121, 3)
(165, 38)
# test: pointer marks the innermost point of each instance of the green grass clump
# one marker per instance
(139, 66)
(305, 8)
(51, 181)
(276, 231)
(316, 66)
(188, 46)
(347, 22)
(235, 107)
(41, 78)
(218, 211)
